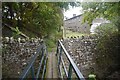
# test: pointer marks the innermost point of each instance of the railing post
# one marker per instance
(70, 72)
(33, 73)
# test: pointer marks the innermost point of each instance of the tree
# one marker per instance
(34, 18)
(107, 10)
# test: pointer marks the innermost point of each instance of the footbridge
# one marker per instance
(57, 64)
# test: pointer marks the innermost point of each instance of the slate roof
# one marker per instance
(73, 17)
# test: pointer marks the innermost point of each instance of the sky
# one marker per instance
(69, 13)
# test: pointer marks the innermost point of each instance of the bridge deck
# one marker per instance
(52, 70)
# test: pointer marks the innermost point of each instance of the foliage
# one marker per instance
(36, 19)
(107, 56)
(50, 45)
(17, 32)
(51, 42)
(107, 10)
(106, 29)
(39, 18)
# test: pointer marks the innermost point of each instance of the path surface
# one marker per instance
(52, 66)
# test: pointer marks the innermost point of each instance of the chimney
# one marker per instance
(74, 15)
(66, 18)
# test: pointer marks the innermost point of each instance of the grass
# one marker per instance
(52, 40)
(72, 34)
(50, 45)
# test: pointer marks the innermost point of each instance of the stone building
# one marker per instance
(75, 24)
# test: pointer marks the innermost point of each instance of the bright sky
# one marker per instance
(69, 13)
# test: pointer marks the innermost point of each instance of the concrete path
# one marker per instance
(52, 66)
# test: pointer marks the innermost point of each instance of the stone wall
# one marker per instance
(81, 51)
(16, 54)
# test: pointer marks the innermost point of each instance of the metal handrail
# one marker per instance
(72, 65)
(29, 67)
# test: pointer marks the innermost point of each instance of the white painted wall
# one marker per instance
(97, 22)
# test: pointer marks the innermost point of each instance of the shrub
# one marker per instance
(107, 56)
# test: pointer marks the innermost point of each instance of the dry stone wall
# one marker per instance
(16, 54)
(81, 51)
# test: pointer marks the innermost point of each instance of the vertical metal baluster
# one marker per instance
(43, 50)
(59, 60)
(70, 72)
(58, 52)
(60, 56)
(33, 74)
(57, 48)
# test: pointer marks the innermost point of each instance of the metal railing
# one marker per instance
(41, 51)
(72, 66)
